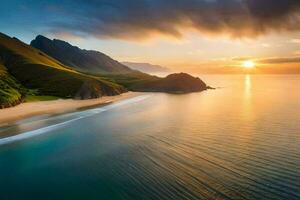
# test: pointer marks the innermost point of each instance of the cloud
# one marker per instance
(240, 59)
(295, 41)
(67, 36)
(280, 60)
(196, 52)
(266, 45)
(141, 19)
(297, 52)
(275, 65)
(275, 60)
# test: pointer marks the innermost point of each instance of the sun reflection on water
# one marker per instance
(247, 105)
(248, 86)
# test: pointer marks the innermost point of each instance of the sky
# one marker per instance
(198, 36)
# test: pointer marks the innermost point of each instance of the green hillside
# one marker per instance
(173, 83)
(35, 70)
(131, 81)
(28, 71)
(11, 92)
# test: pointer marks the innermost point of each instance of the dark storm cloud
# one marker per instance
(136, 19)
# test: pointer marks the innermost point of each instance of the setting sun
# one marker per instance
(248, 64)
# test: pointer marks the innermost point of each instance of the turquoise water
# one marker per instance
(241, 141)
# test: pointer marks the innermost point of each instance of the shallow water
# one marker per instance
(241, 141)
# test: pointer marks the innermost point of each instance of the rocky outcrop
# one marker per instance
(175, 83)
(90, 90)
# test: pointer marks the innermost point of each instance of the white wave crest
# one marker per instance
(82, 114)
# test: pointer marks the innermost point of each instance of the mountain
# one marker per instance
(25, 69)
(174, 83)
(23, 66)
(146, 67)
(100, 65)
(82, 60)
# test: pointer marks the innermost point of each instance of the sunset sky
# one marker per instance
(199, 36)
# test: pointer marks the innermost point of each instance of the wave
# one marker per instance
(79, 115)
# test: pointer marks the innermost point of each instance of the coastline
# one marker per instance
(60, 106)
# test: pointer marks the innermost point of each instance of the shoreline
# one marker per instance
(31, 109)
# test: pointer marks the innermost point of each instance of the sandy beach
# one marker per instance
(25, 110)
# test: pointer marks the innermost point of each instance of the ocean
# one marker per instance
(239, 141)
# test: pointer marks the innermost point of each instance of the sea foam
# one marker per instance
(77, 115)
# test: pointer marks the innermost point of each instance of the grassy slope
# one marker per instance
(132, 81)
(32, 98)
(34, 69)
(11, 92)
(174, 83)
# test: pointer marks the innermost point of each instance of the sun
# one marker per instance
(248, 64)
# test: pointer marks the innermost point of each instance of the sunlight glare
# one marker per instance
(248, 64)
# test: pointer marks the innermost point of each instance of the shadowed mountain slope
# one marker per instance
(89, 61)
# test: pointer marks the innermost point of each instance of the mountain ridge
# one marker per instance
(35, 70)
(146, 67)
(87, 61)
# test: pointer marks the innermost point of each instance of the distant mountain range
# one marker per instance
(146, 67)
(79, 59)
(56, 68)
